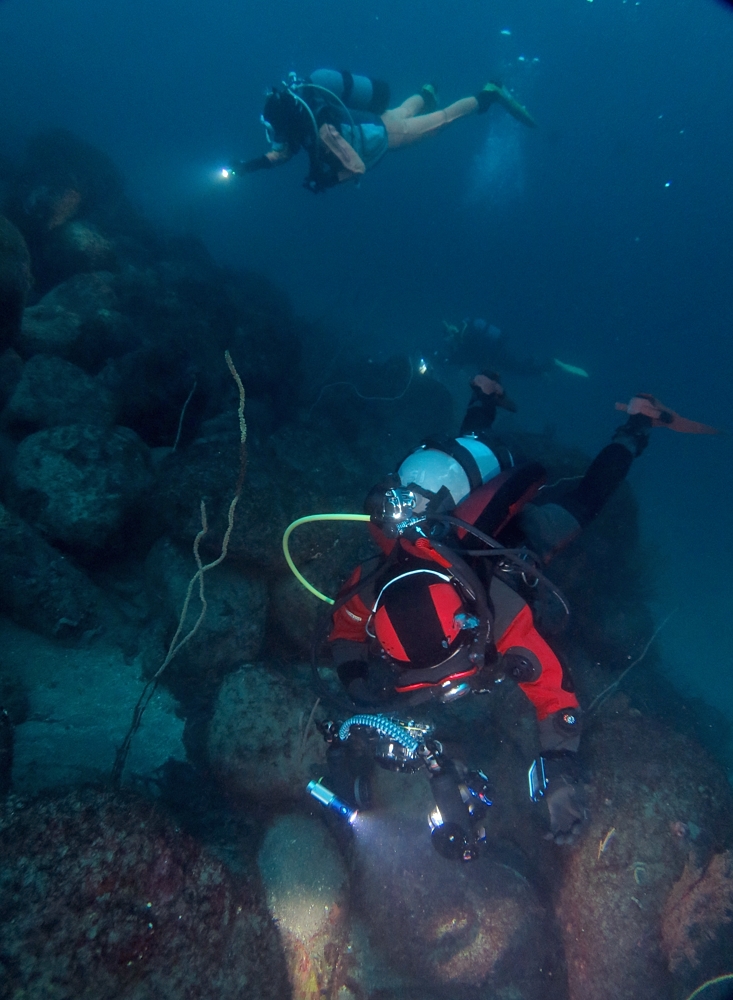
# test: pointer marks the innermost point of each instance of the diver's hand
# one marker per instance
(365, 683)
(567, 810)
(489, 391)
(488, 386)
(249, 166)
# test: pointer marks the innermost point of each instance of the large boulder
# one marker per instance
(104, 898)
(78, 483)
(160, 389)
(262, 744)
(41, 589)
(52, 392)
(659, 806)
(78, 320)
(77, 247)
(78, 705)
(306, 884)
(67, 199)
(50, 328)
(457, 929)
(15, 280)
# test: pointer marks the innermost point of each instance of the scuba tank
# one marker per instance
(361, 93)
(328, 97)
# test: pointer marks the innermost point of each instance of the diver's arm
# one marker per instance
(274, 158)
(487, 393)
(531, 662)
(559, 723)
(364, 679)
(280, 155)
(528, 658)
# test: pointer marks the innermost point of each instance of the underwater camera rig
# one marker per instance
(462, 797)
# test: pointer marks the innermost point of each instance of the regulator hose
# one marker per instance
(720, 988)
(383, 725)
(305, 520)
(496, 550)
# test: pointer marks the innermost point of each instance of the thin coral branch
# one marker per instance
(306, 732)
(176, 643)
(607, 692)
(183, 414)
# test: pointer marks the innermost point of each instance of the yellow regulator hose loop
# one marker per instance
(305, 520)
(703, 991)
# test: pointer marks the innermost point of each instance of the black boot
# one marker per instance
(430, 100)
(634, 434)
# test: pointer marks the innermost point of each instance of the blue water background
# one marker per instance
(604, 238)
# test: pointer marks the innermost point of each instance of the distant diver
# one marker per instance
(344, 123)
(478, 343)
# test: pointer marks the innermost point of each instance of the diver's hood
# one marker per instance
(283, 113)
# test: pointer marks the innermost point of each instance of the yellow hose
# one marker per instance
(719, 980)
(304, 520)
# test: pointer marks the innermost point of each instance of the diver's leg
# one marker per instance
(419, 104)
(605, 473)
(548, 527)
(403, 131)
(607, 470)
(408, 109)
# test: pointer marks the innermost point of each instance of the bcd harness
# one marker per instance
(329, 154)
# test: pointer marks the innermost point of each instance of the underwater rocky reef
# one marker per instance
(205, 871)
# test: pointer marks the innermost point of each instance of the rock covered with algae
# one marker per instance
(307, 894)
(260, 743)
(103, 898)
(658, 803)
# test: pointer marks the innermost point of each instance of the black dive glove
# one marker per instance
(564, 797)
(249, 166)
(365, 683)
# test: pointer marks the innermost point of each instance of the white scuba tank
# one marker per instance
(430, 468)
(358, 92)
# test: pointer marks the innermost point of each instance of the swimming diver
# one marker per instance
(478, 343)
(344, 123)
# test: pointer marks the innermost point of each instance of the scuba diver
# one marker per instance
(457, 601)
(344, 124)
(478, 343)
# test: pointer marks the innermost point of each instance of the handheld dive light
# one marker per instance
(330, 800)
(537, 779)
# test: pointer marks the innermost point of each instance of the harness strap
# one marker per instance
(462, 455)
(348, 79)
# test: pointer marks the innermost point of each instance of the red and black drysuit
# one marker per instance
(537, 668)
(512, 509)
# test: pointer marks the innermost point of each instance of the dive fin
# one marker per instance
(495, 93)
(661, 415)
(515, 109)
